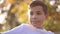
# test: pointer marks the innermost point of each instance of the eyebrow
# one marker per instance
(37, 11)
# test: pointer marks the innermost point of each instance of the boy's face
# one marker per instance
(37, 16)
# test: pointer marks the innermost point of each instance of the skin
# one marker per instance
(37, 16)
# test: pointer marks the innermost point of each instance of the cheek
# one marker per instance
(41, 18)
(30, 19)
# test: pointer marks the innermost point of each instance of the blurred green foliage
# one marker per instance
(52, 23)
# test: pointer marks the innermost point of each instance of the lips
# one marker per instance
(34, 21)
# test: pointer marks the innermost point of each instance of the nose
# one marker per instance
(34, 16)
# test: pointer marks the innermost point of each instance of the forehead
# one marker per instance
(36, 8)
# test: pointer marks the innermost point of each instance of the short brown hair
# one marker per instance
(39, 3)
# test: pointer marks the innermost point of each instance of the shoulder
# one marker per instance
(19, 29)
(48, 32)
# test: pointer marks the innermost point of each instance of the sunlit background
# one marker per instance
(15, 12)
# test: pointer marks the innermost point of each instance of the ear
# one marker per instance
(46, 16)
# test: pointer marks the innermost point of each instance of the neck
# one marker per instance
(38, 27)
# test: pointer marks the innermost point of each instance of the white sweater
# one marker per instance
(27, 29)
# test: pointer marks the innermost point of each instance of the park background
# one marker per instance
(18, 14)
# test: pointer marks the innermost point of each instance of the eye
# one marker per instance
(38, 13)
(31, 13)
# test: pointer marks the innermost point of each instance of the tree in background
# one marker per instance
(53, 21)
(17, 13)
